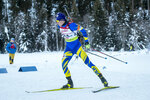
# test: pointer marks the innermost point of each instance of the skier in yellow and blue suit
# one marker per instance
(73, 46)
(11, 49)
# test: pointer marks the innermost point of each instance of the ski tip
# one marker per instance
(106, 88)
(94, 91)
(126, 62)
(27, 91)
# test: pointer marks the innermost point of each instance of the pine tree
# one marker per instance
(100, 22)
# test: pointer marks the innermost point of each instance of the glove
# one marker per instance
(87, 45)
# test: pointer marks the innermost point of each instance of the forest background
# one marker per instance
(112, 25)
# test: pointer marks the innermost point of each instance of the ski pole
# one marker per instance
(96, 55)
(110, 56)
(67, 13)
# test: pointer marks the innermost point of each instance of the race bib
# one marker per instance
(68, 34)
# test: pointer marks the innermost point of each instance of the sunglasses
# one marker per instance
(59, 20)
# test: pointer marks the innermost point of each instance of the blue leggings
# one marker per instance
(82, 54)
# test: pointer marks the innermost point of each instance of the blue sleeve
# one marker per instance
(15, 48)
(75, 27)
(84, 35)
(8, 47)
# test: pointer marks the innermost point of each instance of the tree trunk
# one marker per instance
(148, 6)
(132, 5)
(141, 4)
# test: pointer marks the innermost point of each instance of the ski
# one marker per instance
(59, 89)
(105, 88)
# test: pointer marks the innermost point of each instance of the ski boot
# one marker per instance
(69, 84)
(103, 80)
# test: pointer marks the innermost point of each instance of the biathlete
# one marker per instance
(11, 49)
(73, 46)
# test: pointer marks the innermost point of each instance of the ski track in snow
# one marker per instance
(133, 78)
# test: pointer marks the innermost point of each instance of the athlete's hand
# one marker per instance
(87, 45)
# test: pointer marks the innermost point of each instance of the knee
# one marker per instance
(65, 60)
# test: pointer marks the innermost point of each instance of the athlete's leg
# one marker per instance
(82, 54)
(65, 60)
(11, 58)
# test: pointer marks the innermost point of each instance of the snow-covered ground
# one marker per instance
(133, 78)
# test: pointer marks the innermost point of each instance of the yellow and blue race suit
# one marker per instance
(11, 49)
(73, 46)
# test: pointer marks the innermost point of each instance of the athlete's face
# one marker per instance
(12, 41)
(60, 22)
